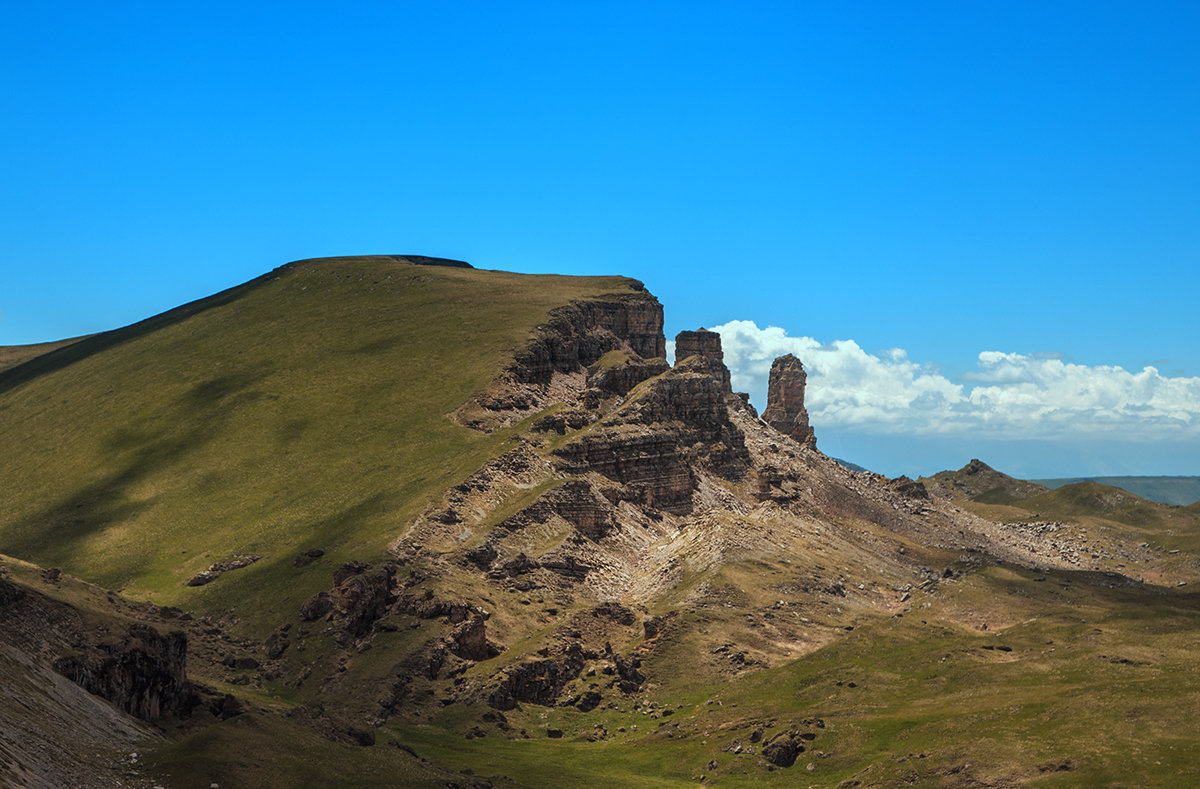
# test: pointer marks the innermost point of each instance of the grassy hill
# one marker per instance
(893, 640)
(1179, 491)
(978, 481)
(305, 409)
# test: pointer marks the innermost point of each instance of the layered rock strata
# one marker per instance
(579, 334)
(785, 400)
(683, 421)
(561, 359)
(707, 345)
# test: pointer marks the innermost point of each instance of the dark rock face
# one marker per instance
(563, 420)
(10, 593)
(619, 379)
(575, 502)
(909, 487)
(650, 466)
(783, 749)
(578, 334)
(305, 558)
(430, 607)
(785, 400)
(469, 640)
(537, 681)
(362, 597)
(143, 673)
(316, 607)
(707, 345)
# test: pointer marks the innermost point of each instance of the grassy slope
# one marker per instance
(1179, 491)
(306, 409)
(1082, 686)
(12, 355)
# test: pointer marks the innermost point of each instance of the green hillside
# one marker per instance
(13, 355)
(891, 638)
(1179, 491)
(304, 409)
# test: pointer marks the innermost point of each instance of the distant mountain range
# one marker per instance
(1180, 491)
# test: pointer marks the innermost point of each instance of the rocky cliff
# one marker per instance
(706, 345)
(579, 334)
(568, 353)
(141, 671)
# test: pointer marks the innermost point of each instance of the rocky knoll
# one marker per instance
(977, 480)
(785, 400)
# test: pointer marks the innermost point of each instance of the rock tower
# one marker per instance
(785, 400)
(705, 344)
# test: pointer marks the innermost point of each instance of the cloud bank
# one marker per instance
(1008, 396)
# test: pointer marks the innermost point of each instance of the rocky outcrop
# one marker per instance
(537, 681)
(616, 378)
(782, 749)
(469, 640)
(575, 502)
(214, 571)
(555, 363)
(143, 672)
(651, 445)
(707, 345)
(316, 607)
(909, 487)
(360, 597)
(785, 400)
(651, 467)
(579, 334)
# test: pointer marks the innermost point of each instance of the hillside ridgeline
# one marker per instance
(442, 526)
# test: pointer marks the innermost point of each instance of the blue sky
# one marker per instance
(946, 179)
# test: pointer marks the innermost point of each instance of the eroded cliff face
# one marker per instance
(141, 671)
(564, 353)
(654, 443)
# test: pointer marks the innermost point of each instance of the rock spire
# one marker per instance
(785, 400)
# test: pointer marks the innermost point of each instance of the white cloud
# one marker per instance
(1009, 395)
